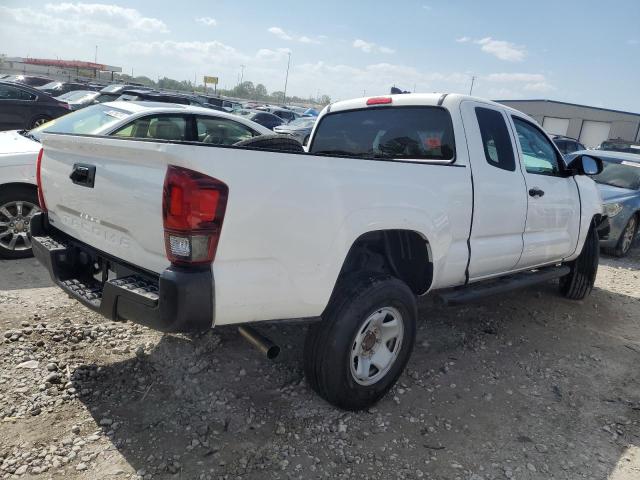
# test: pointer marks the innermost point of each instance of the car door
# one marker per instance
(499, 191)
(158, 126)
(16, 107)
(553, 210)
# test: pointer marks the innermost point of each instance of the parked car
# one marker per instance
(144, 95)
(299, 129)
(22, 106)
(382, 209)
(56, 89)
(227, 105)
(619, 185)
(31, 80)
(567, 145)
(79, 98)
(619, 145)
(265, 119)
(283, 113)
(19, 150)
(111, 93)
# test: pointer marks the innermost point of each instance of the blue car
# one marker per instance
(619, 185)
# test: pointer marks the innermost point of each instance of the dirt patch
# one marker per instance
(525, 386)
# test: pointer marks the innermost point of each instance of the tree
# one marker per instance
(261, 92)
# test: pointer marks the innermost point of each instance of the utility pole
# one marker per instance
(473, 79)
(286, 80)
(242, 73)
(95, 58)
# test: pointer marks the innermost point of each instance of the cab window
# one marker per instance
(538, 154)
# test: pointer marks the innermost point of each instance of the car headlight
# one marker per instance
(612, 209)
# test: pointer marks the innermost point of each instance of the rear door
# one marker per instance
(500, 202)
(553, 211)
(16, 107)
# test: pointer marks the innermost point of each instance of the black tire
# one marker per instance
(622, 248)
(579, 282)
(329, 343)
(280, 143)
(39, 120)
(9, 195)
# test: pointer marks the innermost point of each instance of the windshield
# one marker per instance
(394, 133)
(620, 174)
(88, 121)
(76, 95)
(626, 147)
(50, 85)
(303, 122)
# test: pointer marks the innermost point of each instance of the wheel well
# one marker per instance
(404, 254)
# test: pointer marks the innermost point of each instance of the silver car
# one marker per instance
(300, 129)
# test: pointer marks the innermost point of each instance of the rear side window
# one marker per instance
(222, 131)
(423, 133)
(496, 141)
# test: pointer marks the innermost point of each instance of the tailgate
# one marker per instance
(114, 200)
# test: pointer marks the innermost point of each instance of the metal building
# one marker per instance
(590, 125)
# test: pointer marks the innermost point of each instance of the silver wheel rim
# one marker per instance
(376, 345)
(15, 217)
(39, 121)
(627, 236)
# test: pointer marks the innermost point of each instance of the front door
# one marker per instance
(553, 212)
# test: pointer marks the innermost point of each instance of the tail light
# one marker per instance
(379, 100)
(43, 205)
(193, 208)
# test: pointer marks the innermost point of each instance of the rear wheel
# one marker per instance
(626, 238)
(39, 120)
(17, 206)
(359, 349)
(578, 283)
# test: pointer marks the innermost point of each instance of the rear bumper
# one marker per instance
(177, 300)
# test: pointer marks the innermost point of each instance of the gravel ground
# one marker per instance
(526, 386)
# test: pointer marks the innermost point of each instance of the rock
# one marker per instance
(105, 422)
(31, 364)
(52, 367)
(81, 466)
(542, 448)
(21, 470)
(75, 429)
(54, 377)
(531, 467)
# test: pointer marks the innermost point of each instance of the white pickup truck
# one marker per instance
(396, 197)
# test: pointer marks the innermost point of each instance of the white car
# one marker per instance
(158, 121)
(397, 196)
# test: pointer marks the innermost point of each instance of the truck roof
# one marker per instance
(136, 106)
(449, 100)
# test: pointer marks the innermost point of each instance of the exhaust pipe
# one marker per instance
(262, 343)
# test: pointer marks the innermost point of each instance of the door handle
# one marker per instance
(83, 175)
(536, 192)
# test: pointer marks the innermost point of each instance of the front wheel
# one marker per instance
(357, 352)
(626, 238)
(40, 120)
(578, 283)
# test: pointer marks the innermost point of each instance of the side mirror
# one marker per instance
(586, 165)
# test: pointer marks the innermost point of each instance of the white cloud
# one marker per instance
(369, 47)
(102, 12)
(427, 7)
(208, 21)
(530, 82)
(282, 35)
(463, 39)
(507, 51)
(70, 20)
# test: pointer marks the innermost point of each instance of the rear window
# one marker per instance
(88, 121)
(424, 133)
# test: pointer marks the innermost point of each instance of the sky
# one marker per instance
(584, 52)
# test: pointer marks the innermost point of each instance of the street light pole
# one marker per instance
(95, 59)
(286, 80)
(242, 73)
